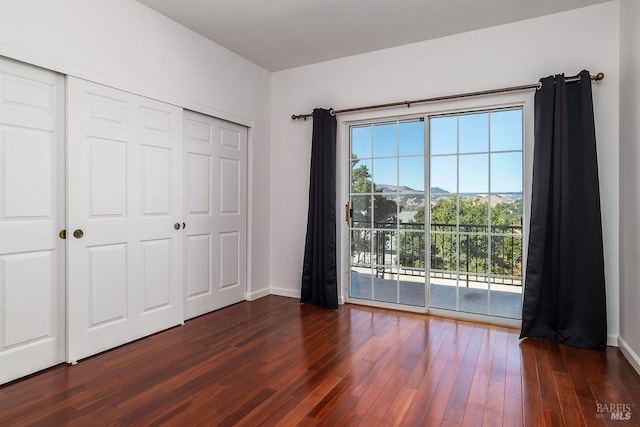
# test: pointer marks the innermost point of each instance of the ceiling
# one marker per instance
(281, 34)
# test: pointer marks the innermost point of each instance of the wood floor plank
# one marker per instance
(473, 414)
(460, 394)
(512, 412)
(275, 362)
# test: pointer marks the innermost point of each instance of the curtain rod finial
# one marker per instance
(599, 76)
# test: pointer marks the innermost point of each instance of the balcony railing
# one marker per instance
(404, 248)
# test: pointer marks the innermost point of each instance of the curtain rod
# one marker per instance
(597, 77)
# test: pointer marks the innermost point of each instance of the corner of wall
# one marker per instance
(629, 354)
(284, 292)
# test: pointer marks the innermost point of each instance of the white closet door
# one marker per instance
(124, 217)
(216, 213)
(32, 298)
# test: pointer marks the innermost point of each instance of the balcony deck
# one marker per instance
(501, 301)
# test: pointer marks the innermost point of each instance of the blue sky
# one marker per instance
(462, 139)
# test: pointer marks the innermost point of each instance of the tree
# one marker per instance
(385, 212)
(506, 252)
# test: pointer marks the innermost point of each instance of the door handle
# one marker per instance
(62, 234)
(78, 234)
(348, 212)
(176, 226)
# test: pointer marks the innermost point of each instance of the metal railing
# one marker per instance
(404, 247)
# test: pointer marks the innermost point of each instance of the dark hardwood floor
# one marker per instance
(275, 362)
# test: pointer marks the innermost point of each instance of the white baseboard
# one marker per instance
(631, 355)
(285, 292)
(612, 340)
(252, 296)
(296, 294)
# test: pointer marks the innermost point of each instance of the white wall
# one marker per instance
(630, 181)
(123, 44)
(506, 55)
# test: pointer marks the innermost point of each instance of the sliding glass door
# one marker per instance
(437, 211)
(476, 213)
(387, 194)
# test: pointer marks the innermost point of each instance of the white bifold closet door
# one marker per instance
(125, 216)
(32, 293)
(216, 213)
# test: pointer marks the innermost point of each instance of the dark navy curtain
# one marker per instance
(319, 272)
(564, 295)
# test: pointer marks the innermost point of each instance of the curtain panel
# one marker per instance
(564, 296)
(319, 272)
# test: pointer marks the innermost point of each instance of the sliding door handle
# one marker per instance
(348, 212)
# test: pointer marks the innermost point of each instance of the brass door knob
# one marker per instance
(176, 226)
(78, 234)
(62, 234)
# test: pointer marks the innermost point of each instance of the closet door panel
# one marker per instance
(32, 256)
(216, 203)
(125, 217)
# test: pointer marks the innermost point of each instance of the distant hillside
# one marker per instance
(409, 200)
(386, 188)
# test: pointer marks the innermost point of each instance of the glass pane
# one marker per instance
(506, 130)
(474, 214)
(360, 247)
(411, 136)
(361, 206)
(504, 303)
(385, 174)
(444, 174)
(361, 142)
(473, 253)
(412, 173)
(385, 285)
(411, 246)
(443, 135)
(474, 133)
(385, 210)
(443, 290)
(361, 176)
(385, 247)
(443, 252)
(474, 173)
(506, 172)
(384, 140)
(506, 213)
(361, 282)
(412, 287)
(506, 256)
(473, 300)
(444, 210)
(412, 211)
